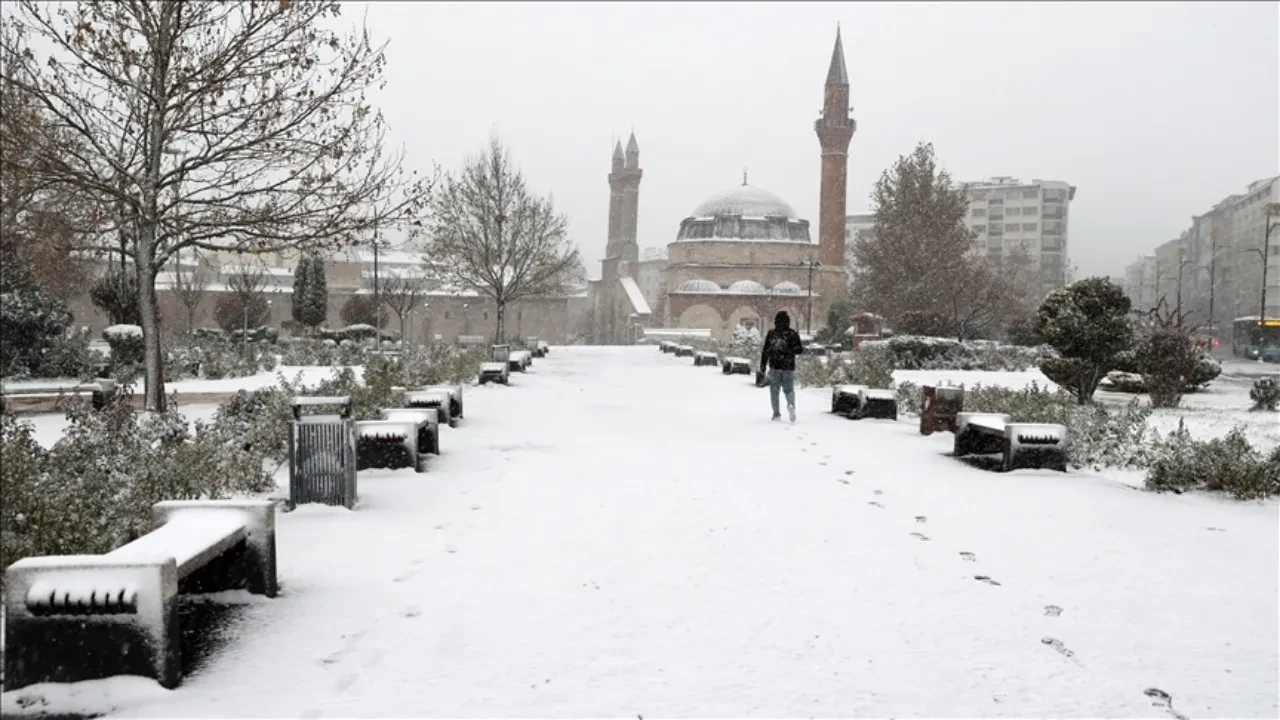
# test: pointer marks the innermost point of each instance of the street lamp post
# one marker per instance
(808, 323)
(1178, 310)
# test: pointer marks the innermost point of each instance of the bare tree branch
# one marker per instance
(241, 126)
(489, 233)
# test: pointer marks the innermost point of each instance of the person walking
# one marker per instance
(778, 357)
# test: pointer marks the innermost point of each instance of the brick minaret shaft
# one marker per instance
(835, 129)
(624, 202)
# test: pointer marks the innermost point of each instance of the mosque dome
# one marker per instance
(786, 287)
(744, 213)
(747, 287)
(698, 286)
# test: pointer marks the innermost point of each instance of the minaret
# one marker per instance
(626, 181)
(835, 129)
(615, 204)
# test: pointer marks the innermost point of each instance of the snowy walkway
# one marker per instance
(622, 534)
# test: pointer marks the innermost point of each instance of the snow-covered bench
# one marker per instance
(534, 345)
(876, 403)
(455, 400)
(844, 399)
(519, 360)
(1021, 445)
(684, 351)
(495, 372)
(100, 393)
(428, 422)
(440, 400)
(706, 358)
(735, 366)
(341, 402)
(84, 617)
(544, 348)
(939, 407)
(391, 444)
(664, 346)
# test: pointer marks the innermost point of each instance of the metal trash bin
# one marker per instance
(939, 408)
(501, 353)
(322, 454)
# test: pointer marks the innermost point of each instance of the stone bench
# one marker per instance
(519, 360)
(705, 358)
(735, 366)
(428, 422)
(858, 402)
(845, 399)
(70, 618)
(1021, 445)
(391, 444)
(665, 346)
(455, 400)
(498, 372)
(544, 348)
(683, 351)
(37, 396)
(440, 400)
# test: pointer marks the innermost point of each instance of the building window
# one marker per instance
(447, 314)
(1031, 210)
(1030, 193)
(979, 212)
(1029, 227)
(1013, 211)
(486, 314)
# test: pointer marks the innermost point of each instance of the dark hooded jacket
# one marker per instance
(781, 345)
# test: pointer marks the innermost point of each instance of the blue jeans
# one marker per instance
(784, 380)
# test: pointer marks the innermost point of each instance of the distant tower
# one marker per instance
(615, 204)
(624, 181)
(835, 129)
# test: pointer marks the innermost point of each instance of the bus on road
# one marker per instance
(1253, 339)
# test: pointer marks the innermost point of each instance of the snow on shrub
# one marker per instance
(127, 349)
(1265, 394)
(93, 490)
(916, 352)
(1228, 464)
(870, 366)
(1097, 436)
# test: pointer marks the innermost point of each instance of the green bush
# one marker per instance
(1229, 465)
(915, 352)
(93, 490)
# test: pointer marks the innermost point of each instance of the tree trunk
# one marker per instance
(147, 308)
(501, 321)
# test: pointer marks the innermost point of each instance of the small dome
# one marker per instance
(747, 201)
(747, 287)
(786, 287)
(698, 286)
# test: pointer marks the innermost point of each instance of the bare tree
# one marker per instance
(190, 288)
(218, 125)
(490, 233)
(244, 304)
(401, 293)
(975, 298)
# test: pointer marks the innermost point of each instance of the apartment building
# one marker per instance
(1221, 255)
(857, 226)
(1010, 215)
(1140, 282)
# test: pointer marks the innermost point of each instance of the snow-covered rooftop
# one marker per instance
(744, 200)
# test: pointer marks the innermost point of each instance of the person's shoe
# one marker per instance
(776, 417)
(791, 410)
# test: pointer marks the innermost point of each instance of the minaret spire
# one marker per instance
(836, 73)
(744, 177)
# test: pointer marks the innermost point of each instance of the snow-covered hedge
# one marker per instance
(93, 490)
(1265, 394)
(217, 359)
(916, 352)
(1228, 464)
(870, 366)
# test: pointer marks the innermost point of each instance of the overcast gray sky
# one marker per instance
(1154, 111)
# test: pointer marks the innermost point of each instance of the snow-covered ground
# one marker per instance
(620, 533)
